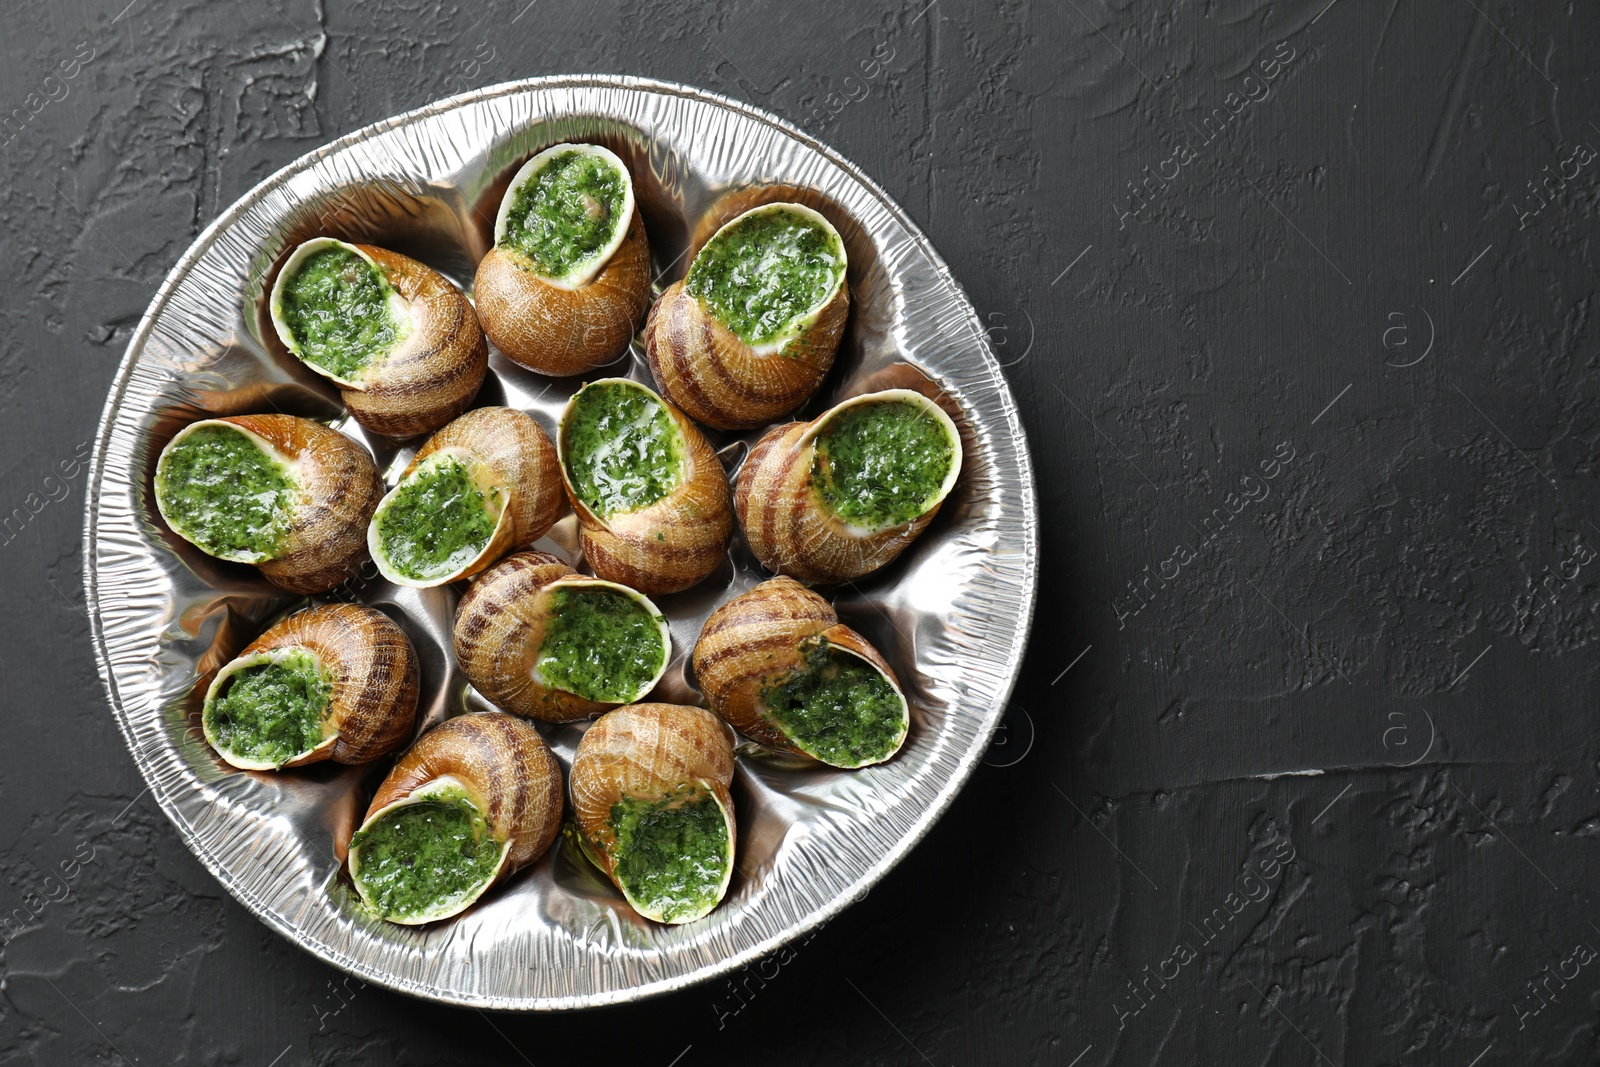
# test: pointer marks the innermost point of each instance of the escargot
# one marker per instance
(476, 799)
(653, 503)
(840, 496)
(750, 332)
(337, 681)
(778, 666)
(283, 493)
(402, 344)
(650, 796)
(483, 485)
(538, 640)
(563, 288)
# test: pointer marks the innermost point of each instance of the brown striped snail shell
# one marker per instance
(668, 545)
(649, 753)
(757, 640)
(502, 767)
(510, 456)
(721, 380)
(500, 628)
(373, 681)
(564, 326)
(789, 526)
(430, 374)
(322, 540)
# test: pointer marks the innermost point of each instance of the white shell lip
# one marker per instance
(802, 322)
(684, 472)
(234, 666)
(450, 786)
(727, 869)
(475, 471)
(584, 272)
(584, 581)
(292, 466)
(905, 718)
(903, 396)
(399, 307)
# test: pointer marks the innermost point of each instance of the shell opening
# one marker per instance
(226, 490)
(268, 709)
(672, 856)
(427, 856)
(620, 448)
(768, 273)
(567, 211)
(882, 460)
(333, 308)
(440, 521)
(838, 707)
(602, 641)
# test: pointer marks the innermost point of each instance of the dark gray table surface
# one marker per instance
(1298, 303)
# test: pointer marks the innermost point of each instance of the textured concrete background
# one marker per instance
(1297, 300)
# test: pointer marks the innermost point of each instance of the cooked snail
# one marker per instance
(474, 800)
(840, 496)
(286, 494)
(541, 641)
(338, 682)
(779, 667)
(653, 503)
(650, 795)
(401, 342)
(563, 288)
(483, 485)
(750, 332)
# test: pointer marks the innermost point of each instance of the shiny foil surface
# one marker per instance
(951, 614)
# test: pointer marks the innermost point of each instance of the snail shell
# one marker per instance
(504, 771)
(512, 462)
(792, 530)
(670, 544)
(500, 629)
(721, 380)
(372, 672)
(430, 374)
(321, 542)
(758, 640)
(648, 753)
(565, 326)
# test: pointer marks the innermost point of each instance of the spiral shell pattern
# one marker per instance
(672, 544)
(374, 672)
(757, 639)
(500, 626)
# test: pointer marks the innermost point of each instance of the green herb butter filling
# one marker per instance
(762, 272)
(601, 644)
(220, 489)
(671, 855)
(837, 707)
(336, 308)
(880, 464)
(437, 520)
(622, 449)
(424, 858)
(270, 712)
(567, 212)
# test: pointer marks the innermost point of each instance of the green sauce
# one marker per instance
(271, 712)
(761, 273)
(837, 707)
(337, 310)
(437, 521)
(566, 212)
(878, 465)
(623, 450)
(226, 494)
(602, 645)
(425, 856)
(671, 854)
